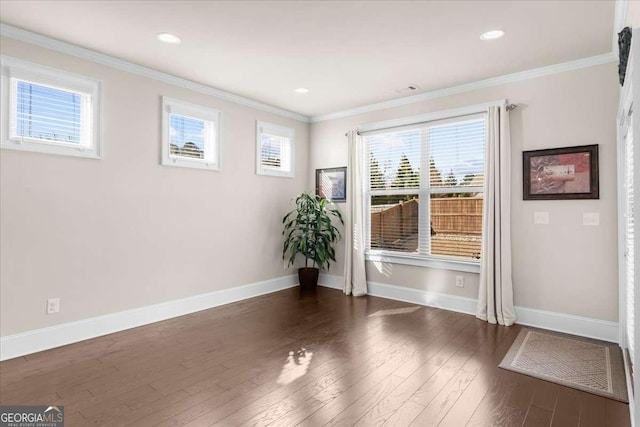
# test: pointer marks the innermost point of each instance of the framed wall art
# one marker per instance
(561, 173)
(331, 184)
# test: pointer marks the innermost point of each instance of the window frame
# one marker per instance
(210, 117)
(378, 256)
(282, 132)
(16, 70)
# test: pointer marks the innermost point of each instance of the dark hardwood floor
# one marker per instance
(288, 359)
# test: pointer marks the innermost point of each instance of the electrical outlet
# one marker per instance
(285, 264)
(53, 305)
(460, 281)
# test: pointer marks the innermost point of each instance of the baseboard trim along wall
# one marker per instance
(20, 344)
(560, 322)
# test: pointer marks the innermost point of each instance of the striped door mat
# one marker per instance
(581, 363)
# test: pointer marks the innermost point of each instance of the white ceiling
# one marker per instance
(347, 53)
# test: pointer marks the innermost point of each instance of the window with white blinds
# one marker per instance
(49, 110)
(274, 150)
(434, 214)
(44, 113)
(629, 240)
(190, 135)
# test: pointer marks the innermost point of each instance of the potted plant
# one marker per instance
(309, 231)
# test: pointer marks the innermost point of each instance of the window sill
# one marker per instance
(276, 173)
(49, 148)
(439, 263)
(192, 164)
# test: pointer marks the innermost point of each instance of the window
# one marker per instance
(420, 215)
(274, 150)
(49, 111)
(190, 135)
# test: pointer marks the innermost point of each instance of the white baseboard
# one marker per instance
(567, 323)
(418, 296)
(560, 322)
(12, 346)
(330, 281)
(16, 345)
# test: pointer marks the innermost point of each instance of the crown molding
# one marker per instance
(110, 61)
(120, 64)
(468, 87)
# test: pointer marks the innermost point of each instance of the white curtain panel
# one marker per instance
(355, 279)
(495, 298)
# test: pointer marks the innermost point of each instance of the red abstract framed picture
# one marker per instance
(561, 173)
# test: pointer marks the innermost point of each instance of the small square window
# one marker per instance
(190, 135)
(274, 150)
(49, 111)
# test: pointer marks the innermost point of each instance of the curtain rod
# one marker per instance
(510, 107)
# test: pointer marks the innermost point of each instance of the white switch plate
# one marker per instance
(53, 305)
(460, 281)
(541, 217)
(591, 218)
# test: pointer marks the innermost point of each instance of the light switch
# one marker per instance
(541, 217)
(591, 218)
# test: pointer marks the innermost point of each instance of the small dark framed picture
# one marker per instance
(331, 184)
(561, 173)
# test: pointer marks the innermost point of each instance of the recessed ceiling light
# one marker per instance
(301, 90)
(168, 38)
(492, 35)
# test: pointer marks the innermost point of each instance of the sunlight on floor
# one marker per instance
(296, 367)
(394, 311)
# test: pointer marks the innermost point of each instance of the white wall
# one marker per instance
(562, 267)
(633, 14)
(123, 232)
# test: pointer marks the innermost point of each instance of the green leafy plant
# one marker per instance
(309, 231)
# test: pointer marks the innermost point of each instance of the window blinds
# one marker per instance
(456, 165)
(49, 114)
(187, 137)
(424, 214)
(629, 240)
(190, 135)
(394, 190)
(394, 160)
(274, 152)
(456, 155)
